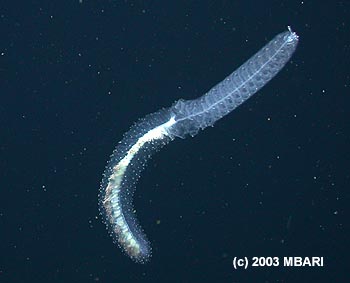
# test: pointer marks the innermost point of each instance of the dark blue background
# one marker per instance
(270, 179)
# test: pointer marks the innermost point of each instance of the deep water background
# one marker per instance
(270, 179)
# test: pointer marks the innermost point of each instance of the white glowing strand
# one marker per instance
(111, 201)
